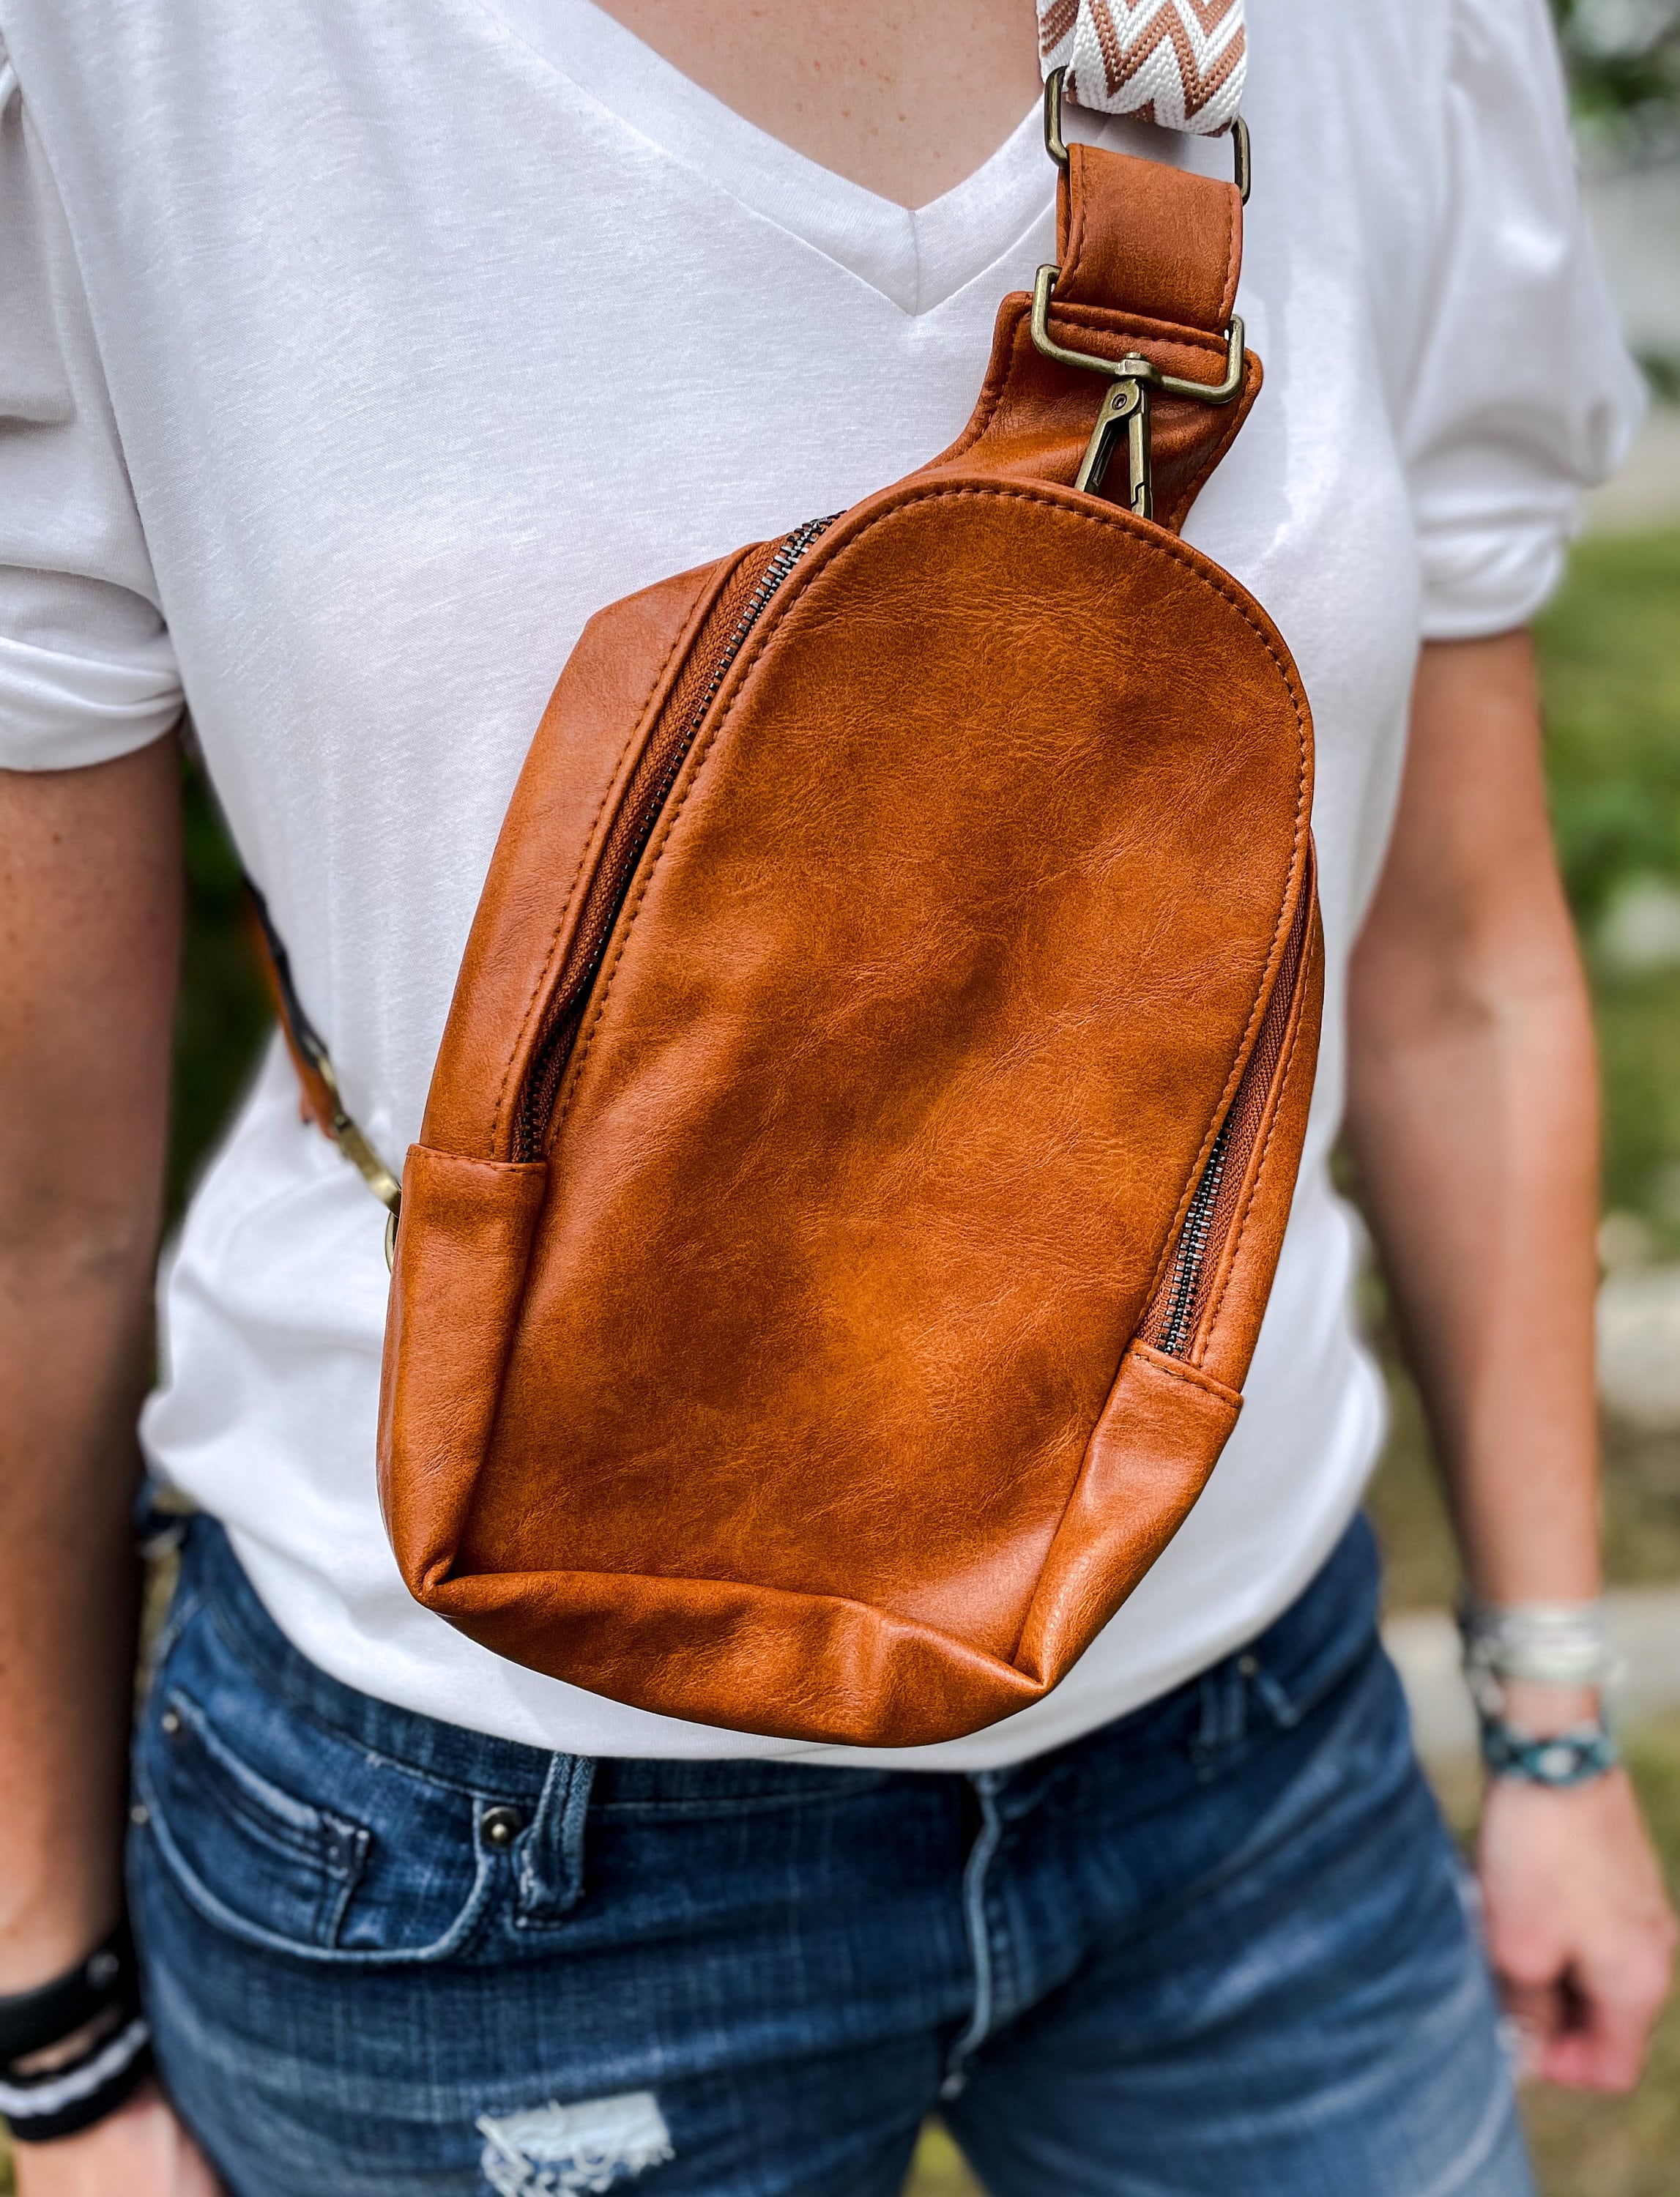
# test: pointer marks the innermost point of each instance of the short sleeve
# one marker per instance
(86, 669)
(1524, 393)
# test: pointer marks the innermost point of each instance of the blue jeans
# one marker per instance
(1220, 1946)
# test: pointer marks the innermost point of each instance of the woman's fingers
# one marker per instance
(1578, 1926)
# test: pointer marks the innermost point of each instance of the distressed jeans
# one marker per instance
(1221, 1946)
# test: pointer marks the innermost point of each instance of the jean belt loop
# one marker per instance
(551, 1852)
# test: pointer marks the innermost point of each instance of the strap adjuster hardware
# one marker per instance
(1127, 406)
(1128, 403)
(1056, 145)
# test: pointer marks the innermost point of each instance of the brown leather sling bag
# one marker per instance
(864, 1131)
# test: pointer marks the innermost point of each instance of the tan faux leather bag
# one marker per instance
(864, 1131)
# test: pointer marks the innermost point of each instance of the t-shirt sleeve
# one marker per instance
(1523, 394)
(86, 669)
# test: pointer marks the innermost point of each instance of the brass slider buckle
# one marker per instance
(1127, 406)
(1056, 145)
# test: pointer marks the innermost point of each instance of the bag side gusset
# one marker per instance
(470, 1211)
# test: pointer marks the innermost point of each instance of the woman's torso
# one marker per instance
(428, 333)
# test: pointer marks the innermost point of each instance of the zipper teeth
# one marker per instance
(786, 557)
(543, 1081)
(1176, 1312)
(1193, 1247)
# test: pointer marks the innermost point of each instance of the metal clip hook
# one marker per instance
(1128, 403)
(1139, 376)
(1126, 407)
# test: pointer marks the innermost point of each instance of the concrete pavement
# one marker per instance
(1644, 1623)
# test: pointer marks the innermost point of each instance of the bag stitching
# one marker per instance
(1070, 264)
(1103, 319)
(540, 985)
(1232, 261)
(1165, 545)
(1120, 319)
(1070, 268)
(1177, 1369)
(498, 1169)
(1214, 1309)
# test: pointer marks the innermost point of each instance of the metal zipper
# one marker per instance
(660, 764)
(1192, 1252)
(1170, 1326)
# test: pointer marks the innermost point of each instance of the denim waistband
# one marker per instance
(1298, 1659)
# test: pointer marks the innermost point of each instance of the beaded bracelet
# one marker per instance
(1562, 1758)
(1548, 1643)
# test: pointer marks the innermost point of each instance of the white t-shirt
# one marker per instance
(352, 355)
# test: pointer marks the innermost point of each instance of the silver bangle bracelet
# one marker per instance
(1550, 1643)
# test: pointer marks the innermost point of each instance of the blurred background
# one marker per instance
(1610, 650)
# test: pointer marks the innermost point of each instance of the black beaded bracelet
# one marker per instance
(101, 1995)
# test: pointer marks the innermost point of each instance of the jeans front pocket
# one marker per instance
(295, 1864)
(292, 1836)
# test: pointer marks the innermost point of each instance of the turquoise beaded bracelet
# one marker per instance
(1562, 1758)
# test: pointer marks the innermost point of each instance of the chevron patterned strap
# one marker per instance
(1180, 63)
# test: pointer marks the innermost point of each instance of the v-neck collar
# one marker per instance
(917, 257)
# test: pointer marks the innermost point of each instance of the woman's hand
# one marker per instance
(141, 2151)
(1579, 1927)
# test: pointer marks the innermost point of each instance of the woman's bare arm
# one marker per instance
(90, 934)
(89, 941)
(1473, 1114)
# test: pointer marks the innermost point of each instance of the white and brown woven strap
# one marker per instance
(1178, 63)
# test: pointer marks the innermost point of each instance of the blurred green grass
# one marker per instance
(1611, 655)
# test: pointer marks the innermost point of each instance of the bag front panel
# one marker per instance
(919, 1019)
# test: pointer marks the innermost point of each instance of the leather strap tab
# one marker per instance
(1149, 260)
(1159, 243)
